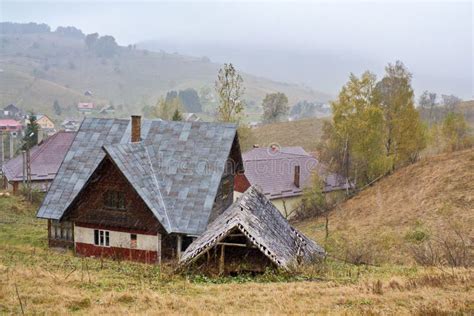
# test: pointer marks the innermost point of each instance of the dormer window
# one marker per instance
(114, 200)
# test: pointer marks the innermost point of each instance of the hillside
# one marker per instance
(58, 67)
(70, 284)
(434, 196)
(305, 133)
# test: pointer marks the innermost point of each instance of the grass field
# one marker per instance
(43, 281)
(305, 133)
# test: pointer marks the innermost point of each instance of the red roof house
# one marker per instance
(9, 125)
(46, 158)
(85, 106)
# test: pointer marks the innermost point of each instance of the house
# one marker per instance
(251, 235)
(282, 174)
(10, 126)
(70, 125)
(45, 159)
(107, 109)
(45, 123)
(141, 190)
(191, 117)
(11, 111)
(85, 107)
(88, 93)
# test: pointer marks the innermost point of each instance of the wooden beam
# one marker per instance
(231, 244)
(222, 261)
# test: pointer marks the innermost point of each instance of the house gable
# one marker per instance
(89, 210)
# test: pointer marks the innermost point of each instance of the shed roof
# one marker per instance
(46, 158)
(264, 226)
(176, 168)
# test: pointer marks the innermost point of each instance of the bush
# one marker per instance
(453, 248)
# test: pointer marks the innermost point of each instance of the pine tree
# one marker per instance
(177, 116)
(31, 134)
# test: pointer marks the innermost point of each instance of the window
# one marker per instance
(133, 241)
(101, 238)
(114, 199)
(61, 230)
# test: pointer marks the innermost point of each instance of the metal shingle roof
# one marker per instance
(185, 165)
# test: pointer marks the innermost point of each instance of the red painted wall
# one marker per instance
(241, 184)
(89, 250)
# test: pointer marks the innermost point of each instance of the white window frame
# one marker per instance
(101, 238)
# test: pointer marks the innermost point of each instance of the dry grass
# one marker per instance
(435, 194)
(55, 283)
(305, 133)
(55, 291)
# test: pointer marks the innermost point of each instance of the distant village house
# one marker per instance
(10, 126)
(85, 107)
(283, 174)
(11, 111)
(46, 158)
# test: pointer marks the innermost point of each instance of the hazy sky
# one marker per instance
(434, 39)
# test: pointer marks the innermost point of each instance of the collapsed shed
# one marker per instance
(250, 235)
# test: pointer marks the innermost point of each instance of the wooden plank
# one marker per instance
(222, 261)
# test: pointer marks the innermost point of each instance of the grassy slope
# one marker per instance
(305, 133)
(58, 283)
(133, 77)
(436, 193)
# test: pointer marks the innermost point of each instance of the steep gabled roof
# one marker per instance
(176, 168)
(46, 158)
(264, 226)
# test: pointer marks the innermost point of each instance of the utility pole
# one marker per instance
(2, 149)
(28, 172)
(11, 146)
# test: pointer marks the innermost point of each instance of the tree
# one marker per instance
(427, 101)
(106, 46)
(314, 200)
(354, 142)
(275, 107)
(455, 132)
(450, 102)
(404, 136)
(90, 40)
(57, 108)
(31, 134)
(229, 88)
(177, 116)
(165, 109)
(190, 100)
(205, 96)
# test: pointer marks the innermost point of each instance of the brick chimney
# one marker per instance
(296, 179)
(136, 128)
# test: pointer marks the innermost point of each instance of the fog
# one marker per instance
(313, 43)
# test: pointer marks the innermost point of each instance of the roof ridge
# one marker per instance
(157, 186)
